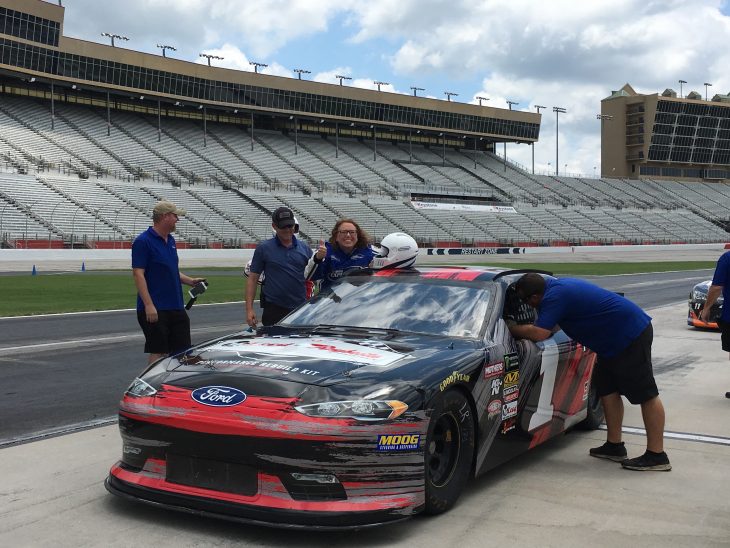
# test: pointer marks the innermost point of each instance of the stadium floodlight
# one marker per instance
(604, 117)
(415, 89)
(538, 107)
(381, 84)
(164, 47)
(680, 86)
(510, 103)
(113, 36)
(208, 56)
(342, 78)
(450, 94)
(480, 99)
(707, 85)
(257, 65)
(302, 71)
(558, 111)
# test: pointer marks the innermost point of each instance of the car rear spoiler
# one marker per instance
(519, 271)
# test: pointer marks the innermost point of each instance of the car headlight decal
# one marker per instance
(140, 389)
(363, 410)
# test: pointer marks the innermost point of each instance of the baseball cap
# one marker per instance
(283, 217)
(167, 207)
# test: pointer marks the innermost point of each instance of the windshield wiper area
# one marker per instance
(354, 329)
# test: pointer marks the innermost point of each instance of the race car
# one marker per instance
(380, 398)
(697, 298)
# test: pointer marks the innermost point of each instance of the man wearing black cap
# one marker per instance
(160, 310)
(283, 257)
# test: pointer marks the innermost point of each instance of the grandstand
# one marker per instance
(84, 159)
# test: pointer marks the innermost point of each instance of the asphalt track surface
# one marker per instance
(66, 372)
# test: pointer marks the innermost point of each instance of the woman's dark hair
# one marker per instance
(362, 237)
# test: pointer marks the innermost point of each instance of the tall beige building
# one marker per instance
(665, 136)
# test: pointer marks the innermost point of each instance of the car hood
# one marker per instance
(317, 360)
(704, 287)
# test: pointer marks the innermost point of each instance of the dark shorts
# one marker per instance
(724, 334)
(630, 372)
(273, 313)
(170, 334)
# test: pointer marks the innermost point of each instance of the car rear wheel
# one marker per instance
(449, 451)
(595, 411)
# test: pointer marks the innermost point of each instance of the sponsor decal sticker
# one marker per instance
(493, 369)
(586, 390)
(318, 348)
(451, 379)
(510, 389)
(511, 361)
(494, 409)
(496, 386)
(398, 442)
(218, 396)
(512, 396)
(509, 410)
(511, 378)
(508, 425)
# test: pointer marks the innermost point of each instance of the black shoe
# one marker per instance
(611, 451)
(727, 394)
(649, 461)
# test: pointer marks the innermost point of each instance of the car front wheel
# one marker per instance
(449, 451)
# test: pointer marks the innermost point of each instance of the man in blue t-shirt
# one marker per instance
(620, 333)
(160, 310)
(283, 258)
(720, 285)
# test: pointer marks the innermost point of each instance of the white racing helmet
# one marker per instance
(397, 250)
(247, 273)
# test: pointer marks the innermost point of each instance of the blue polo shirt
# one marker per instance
(336, 262)
(600, 319)
(160, 262)
(722, 277)
(284, 268)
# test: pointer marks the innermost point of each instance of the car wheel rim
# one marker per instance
(443, 450)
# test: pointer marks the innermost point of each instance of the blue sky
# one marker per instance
(567, 53)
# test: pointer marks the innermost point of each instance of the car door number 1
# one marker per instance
(548, 371)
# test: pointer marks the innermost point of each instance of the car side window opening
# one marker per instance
(515, 309)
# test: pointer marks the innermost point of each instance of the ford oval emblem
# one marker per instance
(219, 396)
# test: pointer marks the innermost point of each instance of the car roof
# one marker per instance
(460, 273)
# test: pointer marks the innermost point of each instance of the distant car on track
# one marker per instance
(378, 399)
(697, 298)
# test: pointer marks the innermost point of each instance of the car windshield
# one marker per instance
(434, 307)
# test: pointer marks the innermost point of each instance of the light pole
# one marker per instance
(51, 222)
(558, 111)
(680, 86)
(707, 85)
(340, 78)
(302, 71)
(482, 99)
(113, 36)
(208, 56)
(256, 66)
(602, 118)
(510, 103)
(415, 89)
(73, 224)
(450, 94)
(163, 47)
(532, 145)
(381, 84)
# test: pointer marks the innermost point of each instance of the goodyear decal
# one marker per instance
(398, 442)
(451, 379)
(511, 378)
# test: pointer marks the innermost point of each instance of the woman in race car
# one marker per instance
(348, 247)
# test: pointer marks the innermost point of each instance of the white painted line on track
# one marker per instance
(685, 436)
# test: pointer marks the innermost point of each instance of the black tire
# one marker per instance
(595, 411)
(449, 451)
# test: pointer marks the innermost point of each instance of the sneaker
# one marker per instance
(649, 461)
(611, 451)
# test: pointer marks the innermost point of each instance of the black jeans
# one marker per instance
(273, 313)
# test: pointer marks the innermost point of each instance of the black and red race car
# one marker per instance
(696, 302)
(378, 399)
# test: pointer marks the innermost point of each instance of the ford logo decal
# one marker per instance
(218, 396)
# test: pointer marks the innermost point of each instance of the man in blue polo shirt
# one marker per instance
(720, 286)
(620, 333)
(160, 310)
(283, 258)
